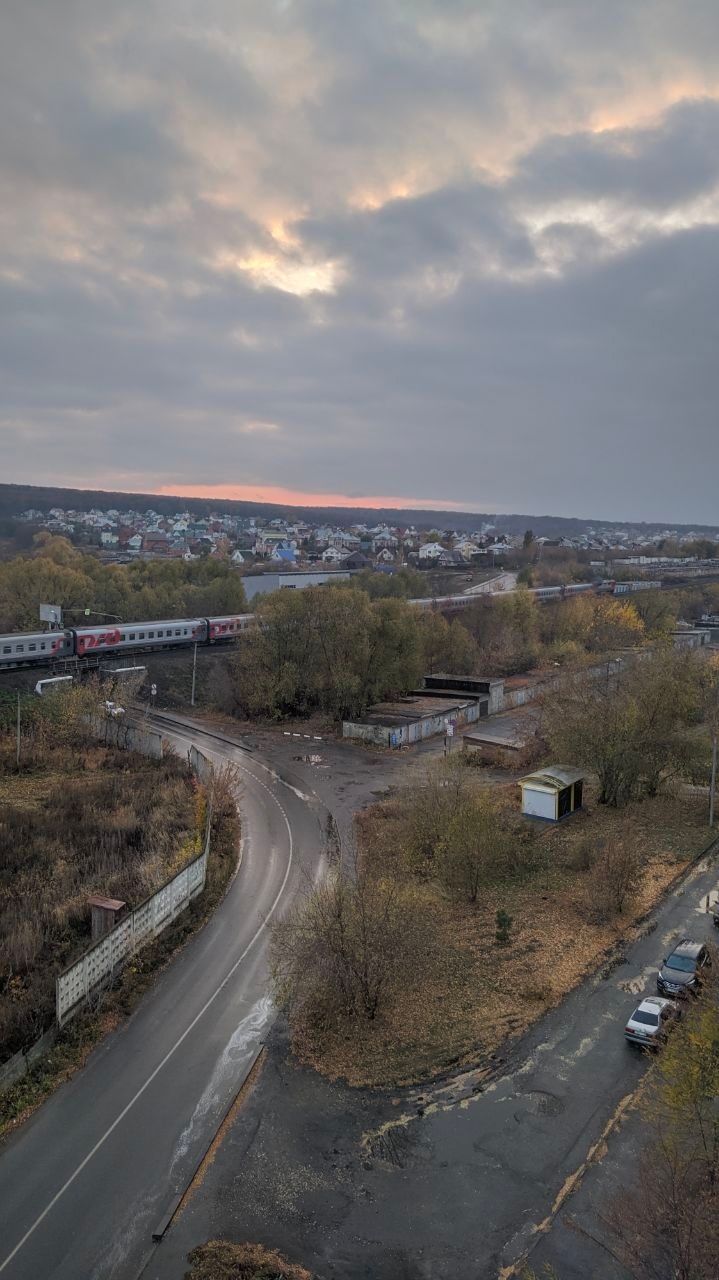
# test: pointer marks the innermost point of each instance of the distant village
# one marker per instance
(257, 545)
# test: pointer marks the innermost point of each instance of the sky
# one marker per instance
(401, 252)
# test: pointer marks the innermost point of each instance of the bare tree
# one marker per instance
(615, 873)
(345, 943)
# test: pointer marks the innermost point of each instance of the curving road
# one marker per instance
(85, 1182)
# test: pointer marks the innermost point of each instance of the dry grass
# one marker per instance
(222, 1260)
(472, 994)
(73, 823)
(110, 1005)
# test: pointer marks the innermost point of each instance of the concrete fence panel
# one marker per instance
(18, 1066)
(102, 960)
(129, 737)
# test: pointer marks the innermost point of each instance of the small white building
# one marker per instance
(552, 793)
(431, 551)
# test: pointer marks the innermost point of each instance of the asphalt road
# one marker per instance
(86, 1180)
(447, 1181)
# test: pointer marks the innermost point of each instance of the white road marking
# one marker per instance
(118, 1120)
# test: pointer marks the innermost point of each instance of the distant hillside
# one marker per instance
(15, 498)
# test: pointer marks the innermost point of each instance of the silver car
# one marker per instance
(651, 1022)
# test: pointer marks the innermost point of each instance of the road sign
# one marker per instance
(51, 613)
(449, 730)
(153, 690)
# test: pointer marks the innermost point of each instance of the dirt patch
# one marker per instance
(222, 1260)
(472, 994)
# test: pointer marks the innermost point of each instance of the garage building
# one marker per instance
(552, 793)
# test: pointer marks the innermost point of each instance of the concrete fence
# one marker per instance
(534, 690)
(20, 1063)
(101, 961)
(129, 737)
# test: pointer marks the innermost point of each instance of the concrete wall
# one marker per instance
(695, 639)
(388, 735)
(146, 922)
(380, 735)
(472, 686)
(259, 584)
(18, 1066)
(527, 693)
(129, 737)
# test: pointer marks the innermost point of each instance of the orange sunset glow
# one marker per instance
(297, 498)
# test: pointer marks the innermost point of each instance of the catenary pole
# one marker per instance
(712, 788)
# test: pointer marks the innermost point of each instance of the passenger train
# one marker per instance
(607, 587)
(32, 647)
(43, 647)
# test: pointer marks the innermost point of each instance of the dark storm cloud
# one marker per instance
(452, 250)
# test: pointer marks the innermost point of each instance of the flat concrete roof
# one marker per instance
(492, 739)
(408, 710)
(449, 675)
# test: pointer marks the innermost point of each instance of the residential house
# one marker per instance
(355, 560)
(431, 551)
(156, 542)
(385, 541)
(286, 552)
(466, 548)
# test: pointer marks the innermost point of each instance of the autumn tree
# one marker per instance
(506, 630)
(446, 645)
(599, 623)
(477, 847)
(665, 1224)
(327, 649)
(629, 729)
(58, 573)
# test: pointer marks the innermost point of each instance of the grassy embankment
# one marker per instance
(78, 820)
(469, 994)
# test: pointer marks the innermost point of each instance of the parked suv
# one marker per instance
(681, 971)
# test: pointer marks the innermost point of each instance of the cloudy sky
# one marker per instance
(460, 251)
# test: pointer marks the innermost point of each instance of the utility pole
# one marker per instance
(17, 753)
(714, 722)
(194, 675)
